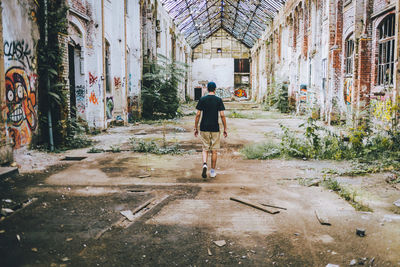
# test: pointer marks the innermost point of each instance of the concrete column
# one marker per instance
(397, 55)
(6, 152)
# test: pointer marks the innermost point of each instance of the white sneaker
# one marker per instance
(213, 173)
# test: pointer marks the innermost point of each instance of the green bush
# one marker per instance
(261, 151)
(160, 88)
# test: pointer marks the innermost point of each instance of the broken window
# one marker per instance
(348, 56)
(108, 67)
(386, 44)
(242, 65)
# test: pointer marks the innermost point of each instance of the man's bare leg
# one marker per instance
(205, 156)
(213, 159)
(213, 163)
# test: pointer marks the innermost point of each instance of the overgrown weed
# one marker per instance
(152, 147)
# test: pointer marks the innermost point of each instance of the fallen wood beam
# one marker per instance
(254, 205)
(323, 221)
(272, 206)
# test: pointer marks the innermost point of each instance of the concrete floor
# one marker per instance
(74, 216)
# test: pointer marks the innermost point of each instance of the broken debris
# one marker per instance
(209, 252)
(128, 214)
(397, 203)
(332, 265)
(254, 205)
(360, 232)
(322, 220)
(272, 206)
(6, 211)
(353, 262)
(220, 243)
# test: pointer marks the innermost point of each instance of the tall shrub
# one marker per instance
(160, 88)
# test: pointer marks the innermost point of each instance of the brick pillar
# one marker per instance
(397, 54)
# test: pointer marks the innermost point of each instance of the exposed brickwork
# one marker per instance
(78, 5)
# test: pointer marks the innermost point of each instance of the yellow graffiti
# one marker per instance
(383, 110)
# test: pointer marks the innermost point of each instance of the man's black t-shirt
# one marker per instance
(210, 105)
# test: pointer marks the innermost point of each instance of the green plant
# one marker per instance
(95, 150)
(152, 147)
(160, 88)
(115, 148)
(261, 151)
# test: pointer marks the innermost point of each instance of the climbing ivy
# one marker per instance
(50, 59)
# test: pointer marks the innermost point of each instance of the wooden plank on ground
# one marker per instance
(254, 205)
(322, 220)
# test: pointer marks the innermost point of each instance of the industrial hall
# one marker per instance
(200, 132)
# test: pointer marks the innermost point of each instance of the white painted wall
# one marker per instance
(218, 70)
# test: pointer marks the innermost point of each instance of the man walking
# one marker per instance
(208, 108)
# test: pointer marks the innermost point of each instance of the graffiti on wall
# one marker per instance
(303, 93)
(19, 51)
(130, 82)
(240, 93)
(93, 99)
(383, 109)
(117, 82)
(92, 79)
(348, 89)
(20, 107)
(223, 93)
(109, 107)
(80, 92)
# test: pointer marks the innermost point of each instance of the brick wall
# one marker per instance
(78, 5)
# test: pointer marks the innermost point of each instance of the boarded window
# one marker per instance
(386, 48)
(242, 65)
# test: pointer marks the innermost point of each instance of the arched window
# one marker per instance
(348, 55)
(386, 44)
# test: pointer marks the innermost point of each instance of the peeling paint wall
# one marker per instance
(307, 45)
(213, 60)
(20, 36)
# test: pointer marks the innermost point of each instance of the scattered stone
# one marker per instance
(6, 211)
(332, 265)
(371, 261)
(296, 234)
(353, 262)
(65, 259)
(209, 252)
(252, 251)
(34, 249)
(7, 200)
(2, 231)
(361, 261)
(397, 203)
(220, 243)
(18, 238)
(360, 232)
(334, 253)
(243, 257)
(128, 214)
(69, 239)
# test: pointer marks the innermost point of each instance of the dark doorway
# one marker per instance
(71, 77)
(197, 93)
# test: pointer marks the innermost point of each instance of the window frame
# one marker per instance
(348, 56)
(386, 47)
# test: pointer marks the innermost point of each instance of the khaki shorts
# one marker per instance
(211, 140)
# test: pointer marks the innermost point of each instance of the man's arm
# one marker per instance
(196, 123)
(223, 118)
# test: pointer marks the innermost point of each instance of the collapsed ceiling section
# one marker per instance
(246, 20)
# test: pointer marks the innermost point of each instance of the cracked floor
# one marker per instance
(74, 218)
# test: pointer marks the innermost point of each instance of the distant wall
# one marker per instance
(218, 70)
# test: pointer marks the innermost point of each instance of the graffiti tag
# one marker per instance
(109, 107)
(92, 79)
(19, 51)
(117, 82)
(93, 99)
(80, 93)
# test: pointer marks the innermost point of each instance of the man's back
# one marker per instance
(210, 105)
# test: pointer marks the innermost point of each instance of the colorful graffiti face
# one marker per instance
(348, 88)
(20, 106)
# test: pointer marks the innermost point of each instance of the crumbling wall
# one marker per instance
(327, 51)
(20, 37)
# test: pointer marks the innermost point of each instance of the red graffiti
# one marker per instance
(240, 93)
(93, 99)
(92, 79)
(117, 82)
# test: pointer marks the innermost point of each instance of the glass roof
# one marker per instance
(246, 20)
